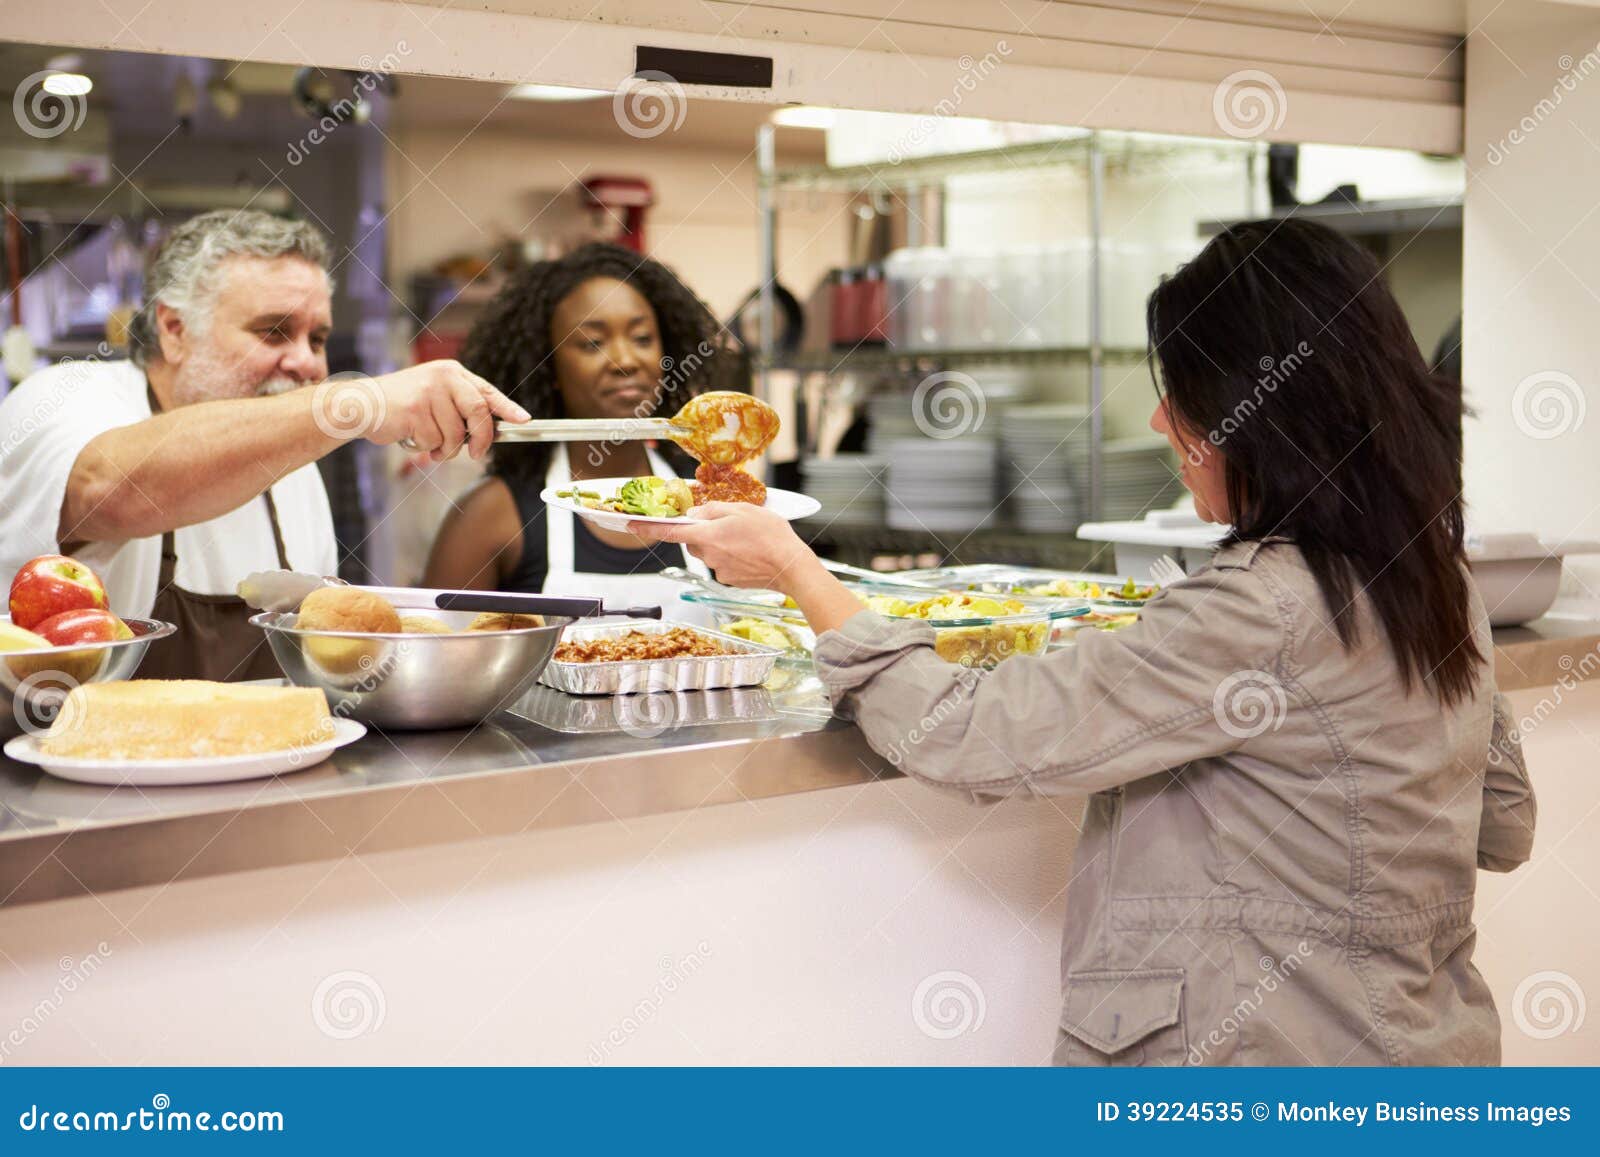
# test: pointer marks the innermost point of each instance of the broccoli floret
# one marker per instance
(654, 497)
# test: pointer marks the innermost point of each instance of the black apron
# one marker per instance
(214, 639)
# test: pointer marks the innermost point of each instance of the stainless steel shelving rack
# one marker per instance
(1093, 153)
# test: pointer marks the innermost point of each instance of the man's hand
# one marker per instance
(195, 462)
(435, 407)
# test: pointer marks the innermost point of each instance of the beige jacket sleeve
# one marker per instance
(1114, 708)
(1505, 831)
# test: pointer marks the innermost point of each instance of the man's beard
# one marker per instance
(207, 376)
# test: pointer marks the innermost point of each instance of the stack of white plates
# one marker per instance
(1046, 449)
(958, 404)
(942, 484)
(891, 418)
(849, 486)
(1139, 474)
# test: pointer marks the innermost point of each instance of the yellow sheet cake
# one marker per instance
(185, 719)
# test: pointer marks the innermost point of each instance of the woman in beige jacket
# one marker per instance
(1296, 760)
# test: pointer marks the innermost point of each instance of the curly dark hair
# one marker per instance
(511, 345)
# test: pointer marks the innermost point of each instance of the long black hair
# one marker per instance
(511, 344)
(1281, 346)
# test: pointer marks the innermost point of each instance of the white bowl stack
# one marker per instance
(942, 485)
(1046, 479)
(850, 488)
(891, 419)
(1139, 474)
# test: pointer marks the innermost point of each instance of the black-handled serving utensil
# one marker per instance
(284, 590)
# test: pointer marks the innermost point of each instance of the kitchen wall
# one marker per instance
(325, 184)
(456, 191)
(1531, 349)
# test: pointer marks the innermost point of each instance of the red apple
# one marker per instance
(51, 584)
(87, 625)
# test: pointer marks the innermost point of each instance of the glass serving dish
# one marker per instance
(972, 630)
(1098, 619)
(1102, 591)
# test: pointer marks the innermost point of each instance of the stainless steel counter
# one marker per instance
(553, 761)
(1545, 652)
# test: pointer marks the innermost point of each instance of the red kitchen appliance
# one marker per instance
(624, 201)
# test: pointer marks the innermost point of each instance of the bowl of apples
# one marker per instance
(59, 634)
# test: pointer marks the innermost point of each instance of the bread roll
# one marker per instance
(347, 609)
(505, 621)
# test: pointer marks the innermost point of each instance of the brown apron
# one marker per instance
(214, 639)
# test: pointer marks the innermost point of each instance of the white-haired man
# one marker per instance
(177, 473)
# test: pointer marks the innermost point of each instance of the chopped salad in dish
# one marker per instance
(979, 645)
(1129, 591)
(949, 605)
(767, 633)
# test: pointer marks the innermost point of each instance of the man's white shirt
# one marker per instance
(48, 420)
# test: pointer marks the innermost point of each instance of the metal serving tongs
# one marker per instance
(590, 430)
(876, 577)
(843, 569)
(723, 427)
(705, 583)
(285, 590)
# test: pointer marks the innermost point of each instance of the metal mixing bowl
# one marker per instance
(413, 681)
(36, 682)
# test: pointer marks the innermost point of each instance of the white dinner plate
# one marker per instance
(172, 772)
(783, 502)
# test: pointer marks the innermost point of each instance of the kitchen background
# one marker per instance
(932, 334)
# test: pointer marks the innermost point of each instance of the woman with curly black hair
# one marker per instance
(599, 333)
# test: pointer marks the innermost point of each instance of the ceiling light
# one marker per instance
(554, 92)
(803, 116)
(67, 84)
